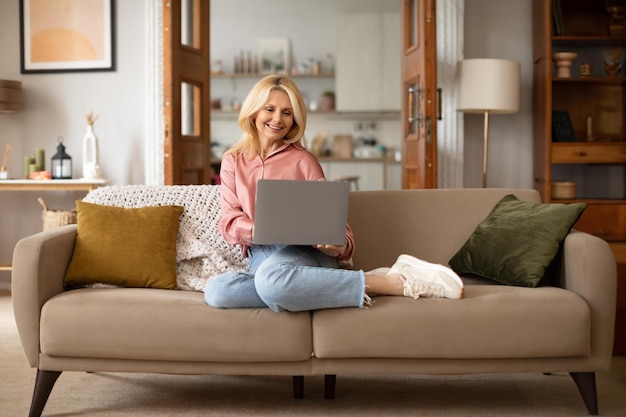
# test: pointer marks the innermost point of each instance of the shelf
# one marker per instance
(590, 80)
(50, 185)
(335, 159)
(260, 75)
(607, 201)
(230, 113)
(587, 40)
(591, 38)
(339, 115)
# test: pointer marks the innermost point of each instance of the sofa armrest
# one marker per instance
(589, 269)
(39, 265)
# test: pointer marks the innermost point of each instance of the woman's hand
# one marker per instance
(332, 250)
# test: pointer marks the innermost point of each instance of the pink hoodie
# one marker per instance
(239, 178)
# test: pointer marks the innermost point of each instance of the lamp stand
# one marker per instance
(485, 147)
(488, 86)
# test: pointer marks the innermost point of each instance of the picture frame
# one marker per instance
(67, 36)
(274, 55)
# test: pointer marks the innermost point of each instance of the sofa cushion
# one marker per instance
(127, 247)
(201, 251)
(152, 324)
(491, 322)
(517, 241)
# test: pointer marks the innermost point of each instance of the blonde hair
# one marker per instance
(249, 144)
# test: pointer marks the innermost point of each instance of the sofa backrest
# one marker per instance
(430, 224)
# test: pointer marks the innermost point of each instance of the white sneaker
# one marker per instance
(379, 271)
(424, 279)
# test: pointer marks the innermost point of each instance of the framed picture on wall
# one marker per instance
(274, 55)
(67, 35)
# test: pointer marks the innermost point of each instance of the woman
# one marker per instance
(296, 278)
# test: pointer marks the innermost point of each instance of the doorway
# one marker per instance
(449, 34)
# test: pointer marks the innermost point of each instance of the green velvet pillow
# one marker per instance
(127, 247)
(517, 241)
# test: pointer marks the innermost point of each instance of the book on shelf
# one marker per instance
(557, 18)
(562, 127)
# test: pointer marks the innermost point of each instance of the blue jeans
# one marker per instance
(292, 278)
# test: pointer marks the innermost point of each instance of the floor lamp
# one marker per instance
(488, 86)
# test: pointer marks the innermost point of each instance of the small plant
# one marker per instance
(328, 101)
(91, 118)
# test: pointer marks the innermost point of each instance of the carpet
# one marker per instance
(122, 395)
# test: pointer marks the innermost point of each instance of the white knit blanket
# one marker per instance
(201, 251)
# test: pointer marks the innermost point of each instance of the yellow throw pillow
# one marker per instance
(127, 247)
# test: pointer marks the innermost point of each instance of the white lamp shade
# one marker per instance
(488, 85)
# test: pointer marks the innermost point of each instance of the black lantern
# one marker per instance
(61, 163)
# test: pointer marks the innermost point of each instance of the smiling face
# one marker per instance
(274, 120)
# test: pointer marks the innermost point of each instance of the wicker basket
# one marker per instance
(563, 190)
(56, 218)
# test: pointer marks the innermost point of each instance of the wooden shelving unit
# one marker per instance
(594, 156)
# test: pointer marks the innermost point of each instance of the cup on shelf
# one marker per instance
(586, 70)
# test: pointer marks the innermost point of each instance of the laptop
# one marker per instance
(295, 212)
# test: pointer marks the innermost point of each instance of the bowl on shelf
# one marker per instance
(564, 190)
(570, 56)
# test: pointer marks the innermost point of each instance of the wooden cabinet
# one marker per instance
(589, 153)
(372, 173)
(368, 62)
(592, 152)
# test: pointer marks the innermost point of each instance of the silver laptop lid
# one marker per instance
(301, 212)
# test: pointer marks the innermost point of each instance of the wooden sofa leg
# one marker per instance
(298, 387)
(43, 387)
(586, 383)
(329, 386)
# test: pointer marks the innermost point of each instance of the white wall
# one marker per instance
(501, 29)
(55, 103)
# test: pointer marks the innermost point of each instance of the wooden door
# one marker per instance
(186, 95)
(419, 86)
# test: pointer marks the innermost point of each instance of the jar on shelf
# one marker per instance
(617, 21)
(216, 68)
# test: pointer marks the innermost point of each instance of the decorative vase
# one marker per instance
(613, 61)
(91, 168)
(327, 103)
(563, 62)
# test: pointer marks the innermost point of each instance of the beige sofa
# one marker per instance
(494, 329)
